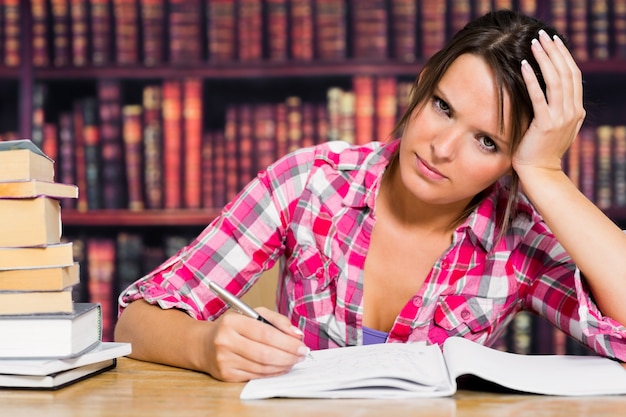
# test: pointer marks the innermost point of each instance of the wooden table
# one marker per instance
(138, 389)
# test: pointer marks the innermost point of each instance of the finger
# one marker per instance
(576, 76)
(540, 106)
(550, 74)
(280, 322)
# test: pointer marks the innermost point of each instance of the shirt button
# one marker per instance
(417, 301)
(445, 264)
(465, 314)
(319, 273)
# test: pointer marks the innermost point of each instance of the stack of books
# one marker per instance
(46, 339)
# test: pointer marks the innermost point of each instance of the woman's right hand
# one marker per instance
(238, 348)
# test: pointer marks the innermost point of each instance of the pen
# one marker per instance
(239, 306)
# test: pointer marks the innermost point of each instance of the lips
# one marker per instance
(428, 171)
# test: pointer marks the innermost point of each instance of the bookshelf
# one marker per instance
(243, 54)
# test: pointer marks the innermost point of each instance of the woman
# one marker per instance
(420, 239)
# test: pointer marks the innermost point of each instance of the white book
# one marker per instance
(398, 370)
(58, 379)
(9, 368)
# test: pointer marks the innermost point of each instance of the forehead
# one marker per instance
(472, 90)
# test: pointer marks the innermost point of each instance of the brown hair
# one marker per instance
(502, 39)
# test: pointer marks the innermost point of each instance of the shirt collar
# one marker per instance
(365, 181)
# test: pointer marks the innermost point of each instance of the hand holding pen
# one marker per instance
(239, 306)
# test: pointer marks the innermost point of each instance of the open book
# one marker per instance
(397, 370)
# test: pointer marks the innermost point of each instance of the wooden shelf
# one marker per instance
(114, 218)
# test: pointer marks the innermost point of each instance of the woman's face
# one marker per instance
(453, 147)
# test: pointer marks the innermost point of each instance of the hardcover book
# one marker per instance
(22, 160)
(40, 279)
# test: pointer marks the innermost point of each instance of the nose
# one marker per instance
(444, 146)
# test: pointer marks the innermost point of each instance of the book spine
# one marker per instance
(112, 147)
(404, 30)
(12, 33)
(219, 169)
(91, 137)
(184, 32)
(433, 26)
(282, 135)
(619, 164)
(40, 92)
(152, 146)
(604, 136)
(208, 159)
(126, 18)
(39, 12)
(321, 123)
(308, 125)
(61, 32)
(363, 87)
(230, 153)
(587, 161)
(294, 123)
(578, 34)
(369, 30)
(172, 144)
(101, 270)
(460, 14)
(132, 127)
(101, 32)
(222, 30)
(619, 28)
(330, 30)
(79, 154)
(277, 30)
(600, 30)
(192, 119)
(79, 35)
(264, 135)
(153, 31)
(301, 29)
(386, 107)
(250, 30)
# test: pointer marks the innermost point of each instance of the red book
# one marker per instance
(433, 28)
(60, 32)
(192, 115)
(79, 18)
(282, 139)
(587, 162)
(460, 14)
(308, 125)
(386, 108)
(369, 34)
(301, 19)
(222, 30)
(294, 123)
(12, 33)
(50, 141)
(277, 30)
(152, 146)
(404, 29)
(330, 29)
(604, 138)
(363, 87)
(39, 11)
(101, 27)
(101, 273)
(264, 136)
(172, 144)
(152, 26)
(250, 30)
(132, 126)
(184, 31)
(321, 123)
(126, 18)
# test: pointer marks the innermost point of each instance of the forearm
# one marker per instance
(167, 336)
(595, 243)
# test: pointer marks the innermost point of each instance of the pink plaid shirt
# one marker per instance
(312, 210)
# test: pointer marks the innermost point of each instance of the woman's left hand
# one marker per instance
(558, 118)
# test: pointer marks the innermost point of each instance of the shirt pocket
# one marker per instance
(314, 277)
(461, 315)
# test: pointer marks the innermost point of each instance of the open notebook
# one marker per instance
(395, 370)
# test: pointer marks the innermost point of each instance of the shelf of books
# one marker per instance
(160, 111)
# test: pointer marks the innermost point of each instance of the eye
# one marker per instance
(487, 144)
(441, 106)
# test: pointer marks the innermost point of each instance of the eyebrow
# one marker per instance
(503, 143)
